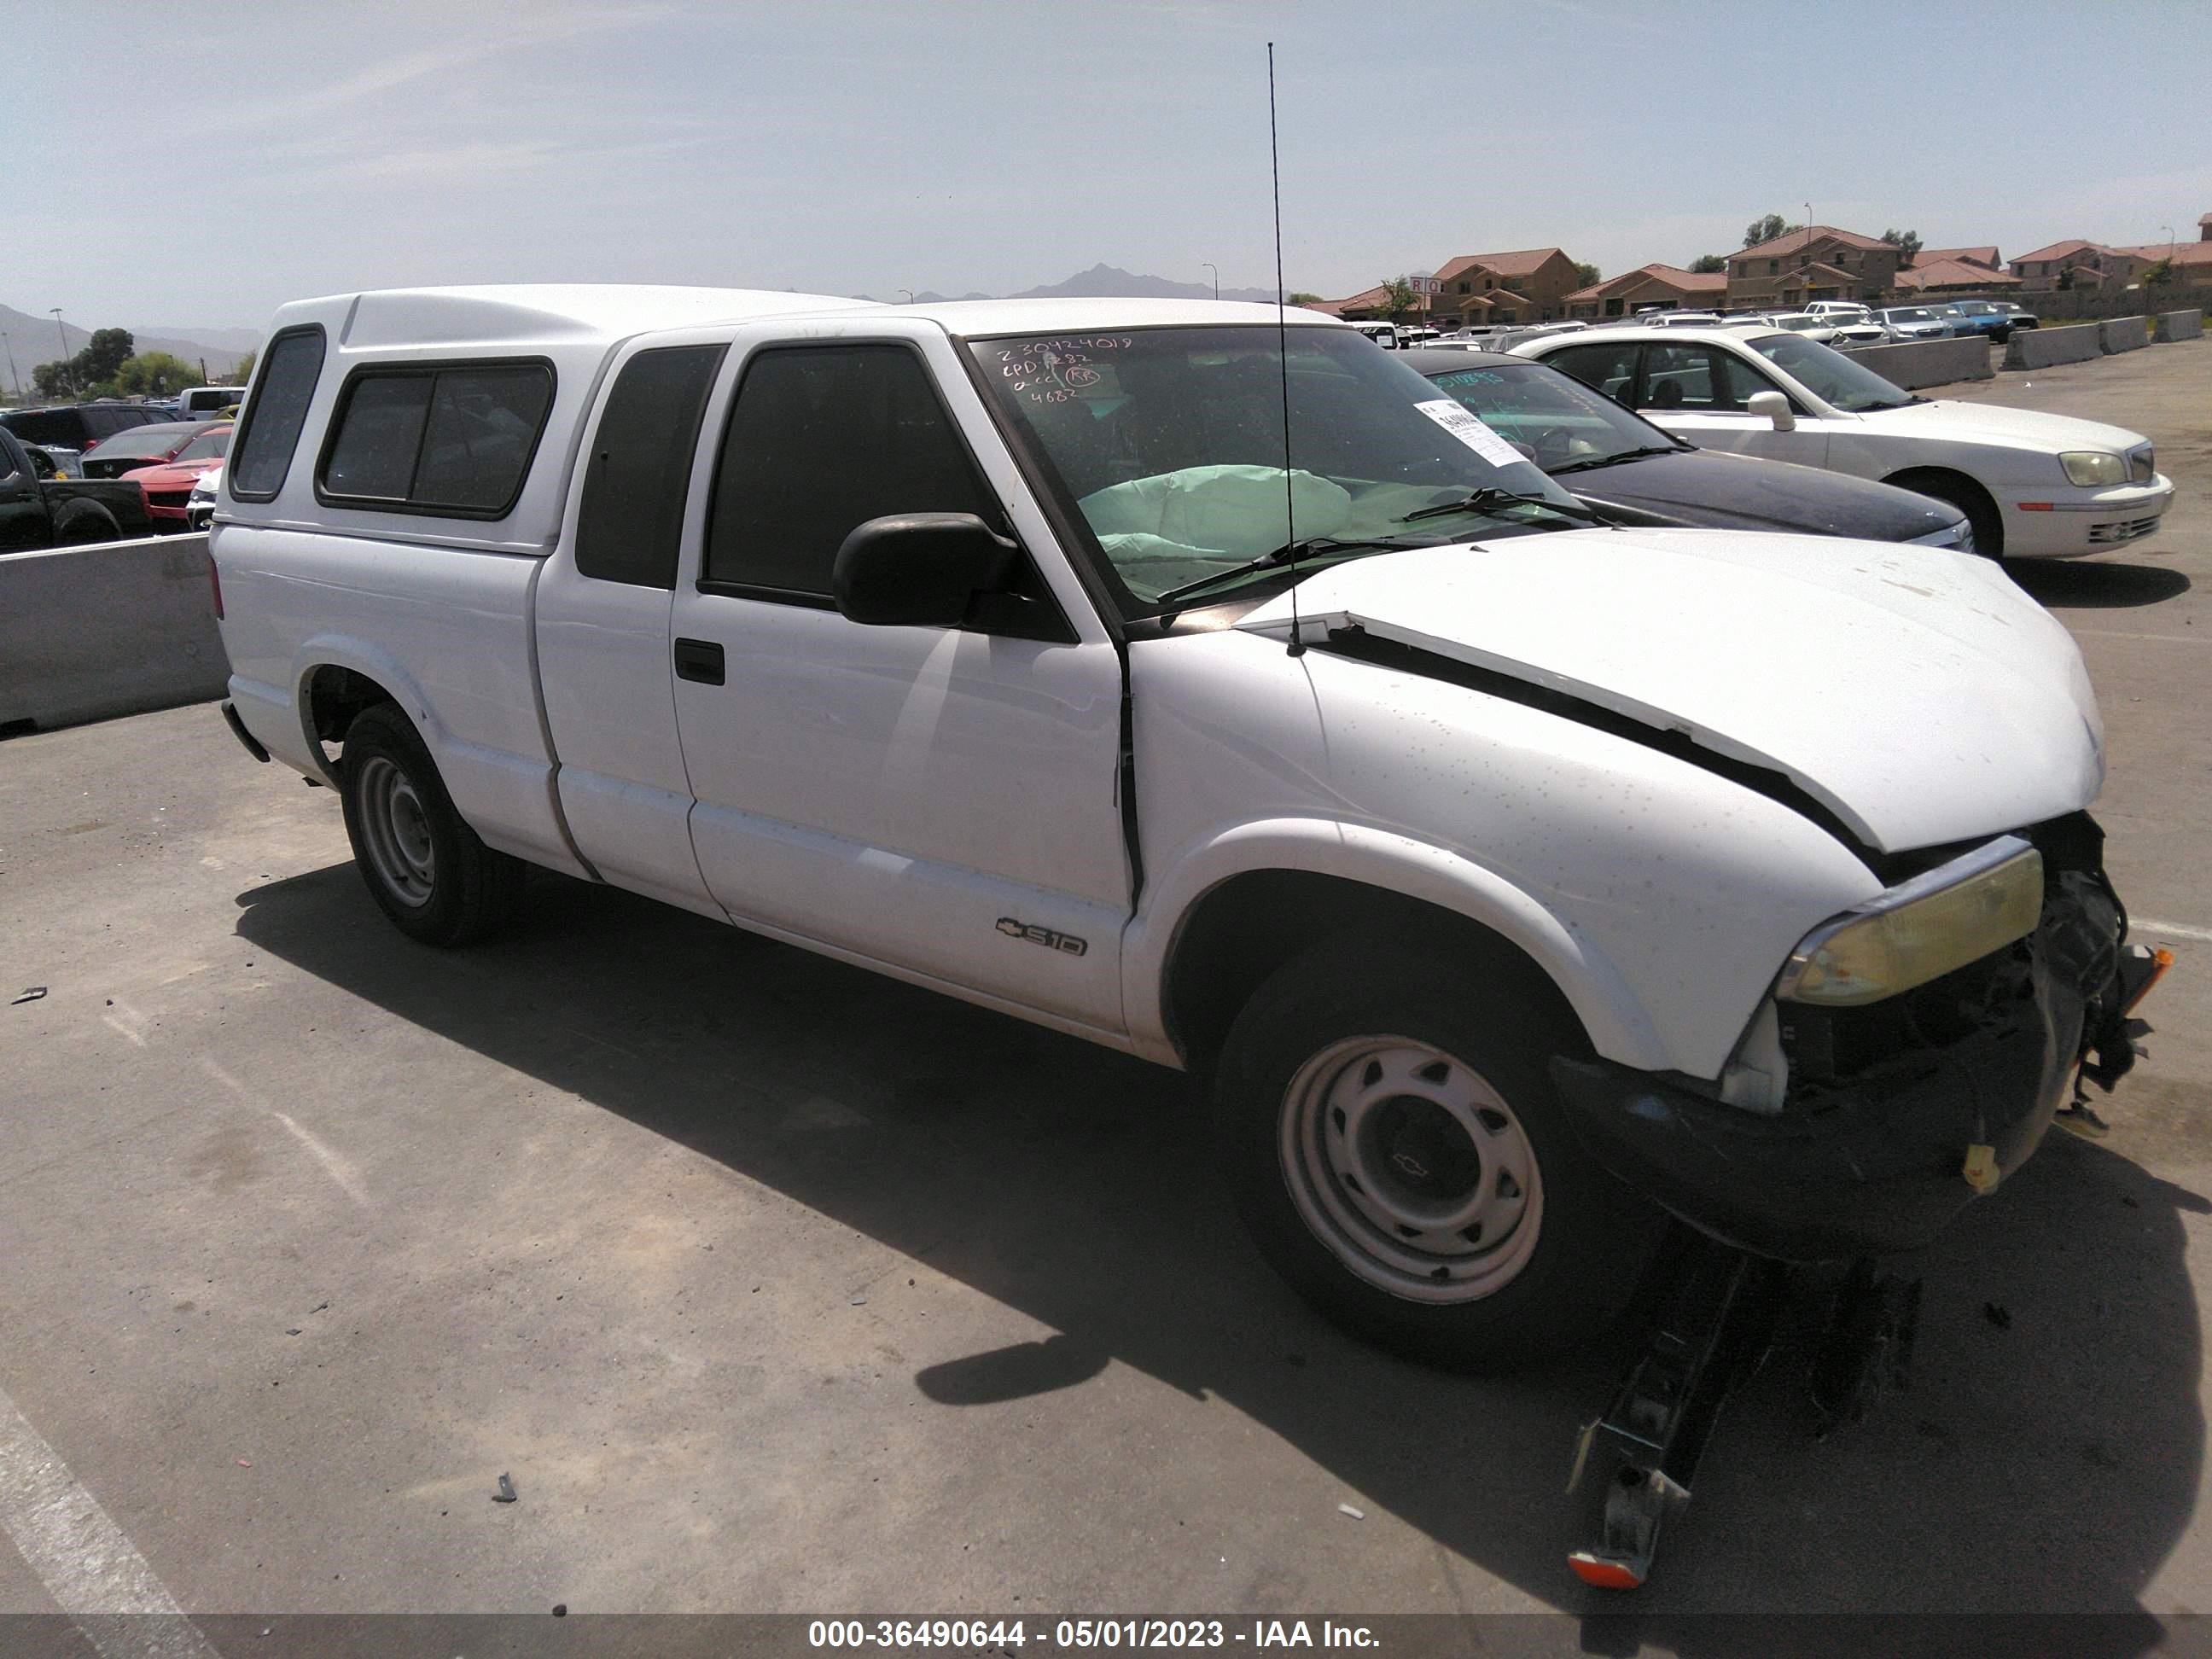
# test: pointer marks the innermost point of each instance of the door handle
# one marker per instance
(699, 661)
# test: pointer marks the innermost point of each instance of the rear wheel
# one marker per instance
(424, 866)
(1401, 1156)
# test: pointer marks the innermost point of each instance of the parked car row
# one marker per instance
(68, 431)
(2030, 484)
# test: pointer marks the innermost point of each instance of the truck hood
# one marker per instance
(1914, 693)
(2018, 428)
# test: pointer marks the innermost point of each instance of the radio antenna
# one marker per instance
(1282, 358)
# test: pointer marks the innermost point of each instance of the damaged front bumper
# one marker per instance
(1877, 1143)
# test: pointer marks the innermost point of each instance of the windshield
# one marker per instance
(161, 439)
(1169, 442)
(1833, 378)
(1910, 314)
(208, 447)
(1561, 422)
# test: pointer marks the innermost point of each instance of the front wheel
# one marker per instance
(424, 866)
(1400, 1156)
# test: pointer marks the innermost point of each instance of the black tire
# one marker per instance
(85, 524)
(1592, 1237)
(1970, 498)
(424, 866)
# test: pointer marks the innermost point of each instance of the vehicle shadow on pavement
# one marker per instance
(2086, 585)
(2046, 1457)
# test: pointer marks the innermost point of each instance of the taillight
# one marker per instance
(215, 581)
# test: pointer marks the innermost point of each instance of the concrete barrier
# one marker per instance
(2180, 325)
(120, 628)
(2123, 334)
(2040, 348)
(1912, 364)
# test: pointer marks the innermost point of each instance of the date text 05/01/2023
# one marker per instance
(1013, 1634)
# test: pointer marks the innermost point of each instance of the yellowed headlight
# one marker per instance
(1887, 951)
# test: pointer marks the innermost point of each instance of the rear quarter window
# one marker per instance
(452, 439)
(270, 429)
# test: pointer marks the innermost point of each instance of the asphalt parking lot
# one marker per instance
(774, 1285)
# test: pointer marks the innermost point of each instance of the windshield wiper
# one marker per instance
(1289, 553)
(1595, 461)
(1488, 501)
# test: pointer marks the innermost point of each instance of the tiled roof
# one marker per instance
(2183, 253)
(1954, 273)
(1789, 241)
(2060, 250)
(1689, 282)
(1522, 263)
(1972, 256)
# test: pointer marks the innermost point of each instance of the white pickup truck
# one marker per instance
(1514, 878)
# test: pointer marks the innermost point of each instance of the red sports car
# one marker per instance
(169, 483)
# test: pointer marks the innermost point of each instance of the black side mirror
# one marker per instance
(919, 570)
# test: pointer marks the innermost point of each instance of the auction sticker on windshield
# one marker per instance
(1455, 417)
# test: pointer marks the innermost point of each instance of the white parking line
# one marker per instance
(90, 1568)
(2168, 929)
(336, 1167)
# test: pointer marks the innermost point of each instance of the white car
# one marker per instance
(199, 505)
(1505, 872)
(1913, 323)
(1678, 319)
(2034, 485)
(1804, 323)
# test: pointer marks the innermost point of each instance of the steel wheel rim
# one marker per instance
(1411, 1169)
(397, 829)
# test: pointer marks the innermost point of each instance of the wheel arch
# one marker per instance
(73, 518)
(339, 677)
(1936, 480)
(1253, 898)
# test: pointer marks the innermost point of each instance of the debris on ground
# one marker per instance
(245, 1462)
(1998, 1315)
(506, 1494)
(31, 994)
(1356, 1514)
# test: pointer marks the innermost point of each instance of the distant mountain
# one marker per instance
(236, 341)
(33, 340)
(1104, 283)
(926, 297)
(1111, 282)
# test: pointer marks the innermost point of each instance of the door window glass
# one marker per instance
(640, 468)
(821, 439)
(1610, 365)
(1699, 376)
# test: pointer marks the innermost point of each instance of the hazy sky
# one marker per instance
(203, 165)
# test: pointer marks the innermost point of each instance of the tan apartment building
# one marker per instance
(1648, 288)
(2076, 264)
(1530, 285)
(1817, 261)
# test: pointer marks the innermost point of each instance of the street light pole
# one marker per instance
(12, 376)
(62, 334)
(909, 295)
(1210, 265)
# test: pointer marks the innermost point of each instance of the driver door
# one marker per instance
(939, 802)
